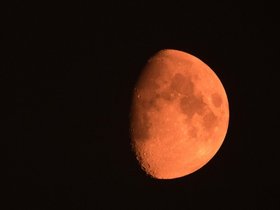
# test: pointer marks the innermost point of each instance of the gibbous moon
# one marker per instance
(179, 115)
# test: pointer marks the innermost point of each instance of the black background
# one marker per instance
(67, 77)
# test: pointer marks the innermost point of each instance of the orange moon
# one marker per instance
(179, 115)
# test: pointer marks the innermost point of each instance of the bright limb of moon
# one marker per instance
(179, 115)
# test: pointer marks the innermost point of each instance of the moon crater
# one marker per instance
(182, 85)
(216, 99)
(191, 105)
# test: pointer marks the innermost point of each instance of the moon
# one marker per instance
(179, 115)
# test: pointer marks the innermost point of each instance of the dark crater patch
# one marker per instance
(182, 84)
(209, 121)
(153, 85)
(216, 99)
(150, 101)
(191, 105)
(168, 95)
(193, 132)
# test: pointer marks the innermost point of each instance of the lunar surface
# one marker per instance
(179, 115)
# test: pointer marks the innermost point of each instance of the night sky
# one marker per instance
(66, 84)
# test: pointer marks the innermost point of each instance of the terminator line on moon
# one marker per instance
(179, 115)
